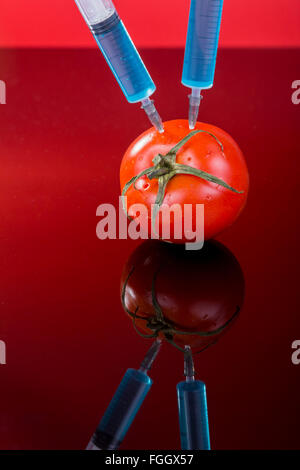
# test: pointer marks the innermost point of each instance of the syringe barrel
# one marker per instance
(202, 43)
(121, 411)
(117, 48)
(193, 417)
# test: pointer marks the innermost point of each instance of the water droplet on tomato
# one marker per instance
(142, 184)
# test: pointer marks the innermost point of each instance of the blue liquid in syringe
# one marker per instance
(123, 59)
(202, 43)
(122, 410)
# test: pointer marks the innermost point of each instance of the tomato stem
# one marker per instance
(181, 143)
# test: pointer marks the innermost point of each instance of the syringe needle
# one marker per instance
(150, 356)
(152, 114)
(195, 99)
(189, 370)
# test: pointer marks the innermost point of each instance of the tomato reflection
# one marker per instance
(185, 297)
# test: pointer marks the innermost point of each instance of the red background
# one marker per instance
(155, 23)
(68, 339)
(59, 295)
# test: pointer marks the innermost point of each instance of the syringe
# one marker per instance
(124, 405)
(121, 55)
(192, 406)
(201, 51)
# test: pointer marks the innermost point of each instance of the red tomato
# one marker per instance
(198, 291)
(212, 151)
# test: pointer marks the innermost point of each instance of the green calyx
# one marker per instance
(165, 168)
(159, 325)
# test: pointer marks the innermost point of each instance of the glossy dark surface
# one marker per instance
(63, 132)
